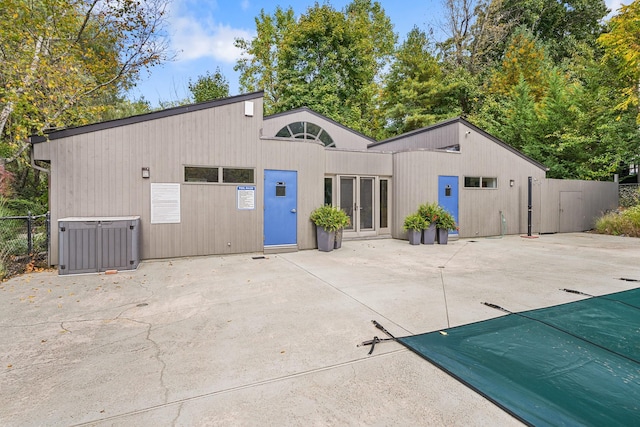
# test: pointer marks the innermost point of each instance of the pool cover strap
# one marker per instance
(575, 363)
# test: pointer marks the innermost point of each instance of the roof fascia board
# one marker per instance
(183, 109)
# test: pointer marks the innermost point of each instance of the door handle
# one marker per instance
(293, 210)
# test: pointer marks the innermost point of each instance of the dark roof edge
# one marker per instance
(469, 124)
(94, 127)
(309, 110)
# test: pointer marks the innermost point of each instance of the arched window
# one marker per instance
(306, 130)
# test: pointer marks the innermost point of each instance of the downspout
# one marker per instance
(33, 161)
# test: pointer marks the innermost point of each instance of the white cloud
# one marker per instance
(193, 41)
(613, 5)
(245, 5)
(196, 36)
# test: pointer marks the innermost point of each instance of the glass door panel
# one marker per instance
(347, 199)
(366, 203)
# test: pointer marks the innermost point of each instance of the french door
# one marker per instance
(357, 199)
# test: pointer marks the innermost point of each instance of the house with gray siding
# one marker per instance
(219, 178)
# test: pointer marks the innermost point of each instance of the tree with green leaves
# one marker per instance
(560, 24)
(62, 59)
(326, 60)
(524, 58)
(259, 65)
(60, 56)
(622, 46)
(416, 91)
(209, 87)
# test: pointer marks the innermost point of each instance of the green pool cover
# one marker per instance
(572, 364)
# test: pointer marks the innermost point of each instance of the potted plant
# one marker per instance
(414, 224)
(444, 224)
(328, 220)
(429, 212)
(343, 221)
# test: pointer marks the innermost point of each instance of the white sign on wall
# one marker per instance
(246, 198)
(165, 203)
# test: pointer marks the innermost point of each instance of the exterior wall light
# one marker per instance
(145, 173)
(511, 183)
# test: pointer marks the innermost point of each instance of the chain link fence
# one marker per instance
(24, 243)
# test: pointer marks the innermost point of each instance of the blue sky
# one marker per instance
(201, 33)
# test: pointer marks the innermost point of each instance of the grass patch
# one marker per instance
(623, 223)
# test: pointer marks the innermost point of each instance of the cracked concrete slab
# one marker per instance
(232, 340)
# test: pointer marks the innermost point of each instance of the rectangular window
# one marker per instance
(237, 176)
(213, 174)
(472, 182)
(200, 174)
(489, 182)
(480, 182)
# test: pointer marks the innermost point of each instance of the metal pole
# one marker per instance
(48, 231)
(530, 207)
(29, 237)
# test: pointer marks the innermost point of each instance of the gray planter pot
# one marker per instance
(429, 235)
(443, 236)
(338, 241)
(414, 236)
(326, 239)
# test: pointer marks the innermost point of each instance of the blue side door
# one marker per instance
(280, 207)
(448, 195)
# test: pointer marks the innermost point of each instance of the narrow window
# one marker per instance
(281, 189)
(237, 176)
(384, 203)
(200, 174)
(328, 191)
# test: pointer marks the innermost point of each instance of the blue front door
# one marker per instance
(448, 195)
(280, 207)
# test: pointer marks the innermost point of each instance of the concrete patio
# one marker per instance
(246, 340)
